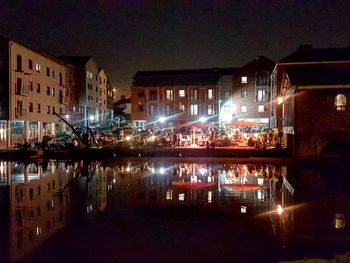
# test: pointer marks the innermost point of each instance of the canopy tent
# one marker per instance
(244, 124)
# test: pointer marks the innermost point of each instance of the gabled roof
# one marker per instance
(260, 63)
(308, 54)
(318, 76)
(180, 77)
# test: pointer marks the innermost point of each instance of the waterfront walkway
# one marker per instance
(113, 152)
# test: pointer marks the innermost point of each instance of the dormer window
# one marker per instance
(340, 102)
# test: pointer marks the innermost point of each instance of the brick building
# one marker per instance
(311, 90)
(251, 91)
(177, 98)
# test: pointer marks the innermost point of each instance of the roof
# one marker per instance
(78, 60)
(318, 76)
(180, 77)
(259, 63)
(308, 54)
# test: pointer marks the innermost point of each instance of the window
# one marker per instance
(19, 63)
(153, 95)
(169, 94)
(194, 94)
(37, 67)
(53, 109)
(211, 109)
(181, 107)
(244, 93)
(340, 102)
(261, 95)
(153, 110)
(169, 110)
(19, 86)
(181, 93)
(141, 94)
(140, 107)
(30, 106)
(194, 110)
(53, 73)
(227, 94)
(60, 78)
(38, 88)
(261, 108)
(53, 92)
(38, 108)
(243, 108)
(48, 109)
(30, 64)
(244, 79)
(211, 94)
(48, 90)
(30, 85)
(48, 71)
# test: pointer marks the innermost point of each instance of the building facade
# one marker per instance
(251, 91)
(311, 89)
(33, 88)
(177, 98)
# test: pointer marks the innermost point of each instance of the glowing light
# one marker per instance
(243, 209)
(279, 100)
(162, 119)
(67, 117)
(279, 209)
(203, 119)
(128, 138)
(92, 118)
(161, 170)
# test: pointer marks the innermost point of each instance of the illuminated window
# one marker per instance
(38, 108)
(181, 107)
(194, 109)
(181, 93)
(227, 94)
(211, 94)
(243, 108)
(261, 95)
(37, 67)
(340, 102)
(244, 93)
(169, 94)
(261, 108)
(244, 79)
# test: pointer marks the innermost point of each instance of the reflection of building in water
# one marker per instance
(37, 203)
(216, 185)
(90, 188)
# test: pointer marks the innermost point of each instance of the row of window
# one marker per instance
(49, 72)
(194, 94)
(194, 109)
(49, 109)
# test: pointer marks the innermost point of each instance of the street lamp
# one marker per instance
(162, 119)
(202, 119)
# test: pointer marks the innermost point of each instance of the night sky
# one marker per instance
(126, 36)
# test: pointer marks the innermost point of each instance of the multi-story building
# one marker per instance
(87, 89)
(111, 98)
(250, 91)
(33, 88)
(177, 98)
(311, 91)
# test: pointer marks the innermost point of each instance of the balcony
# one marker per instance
(22, 90)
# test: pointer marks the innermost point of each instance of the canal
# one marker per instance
(172, 210)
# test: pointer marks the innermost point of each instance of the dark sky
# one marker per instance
(126, 36)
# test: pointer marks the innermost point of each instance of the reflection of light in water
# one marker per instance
(260, 195)
(182, 197)
(113, 180)
(279, 209)
(210, 197)
(339, 221)
(169, 194)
